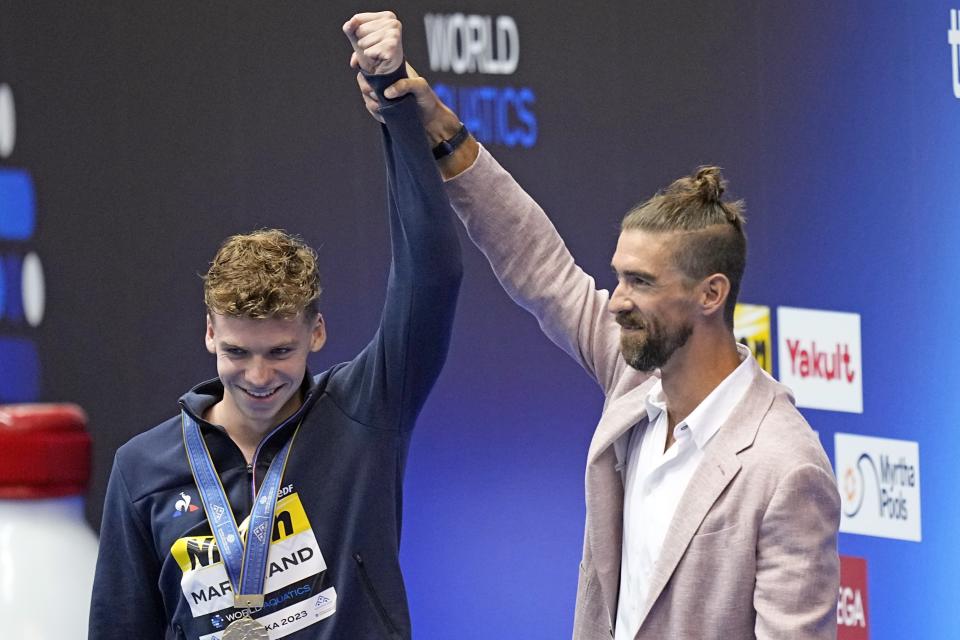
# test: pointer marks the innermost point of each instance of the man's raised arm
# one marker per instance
(522, 246)
(400, 365)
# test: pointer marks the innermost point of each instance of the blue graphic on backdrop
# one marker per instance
(19, 360)
(494, 115)
(11, 288)
(20, 373)
(17, 205)
(467, 44)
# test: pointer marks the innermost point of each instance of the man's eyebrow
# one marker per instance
(644, 275)
(283, 345)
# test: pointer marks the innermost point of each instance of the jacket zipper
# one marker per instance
(251, 466)
(377, 604)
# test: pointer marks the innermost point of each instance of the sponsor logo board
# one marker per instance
(819, 358)
(879, 481)
(751, 328)
(852, 617)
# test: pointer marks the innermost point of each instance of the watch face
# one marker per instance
(443, 149)
(446, 147)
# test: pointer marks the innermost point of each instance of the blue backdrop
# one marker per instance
(151, 132)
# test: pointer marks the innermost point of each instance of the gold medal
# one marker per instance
(246, 628)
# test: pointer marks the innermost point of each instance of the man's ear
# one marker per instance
(714, 290)
(318, 336)
(208, 337)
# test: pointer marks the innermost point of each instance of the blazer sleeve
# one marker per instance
(535, 268)
(798, 569)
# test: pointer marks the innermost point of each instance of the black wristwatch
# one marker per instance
(446, 147)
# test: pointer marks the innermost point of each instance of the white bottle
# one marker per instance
(47, 550)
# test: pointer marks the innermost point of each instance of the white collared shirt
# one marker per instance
(656, 480)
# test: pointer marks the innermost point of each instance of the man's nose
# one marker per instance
(259, 373)
(619, 302)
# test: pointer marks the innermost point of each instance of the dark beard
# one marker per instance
(659, 345)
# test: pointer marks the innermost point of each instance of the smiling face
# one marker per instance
(261, 363)
(654, 302)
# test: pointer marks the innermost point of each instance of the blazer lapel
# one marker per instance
(604, 489)
(717, 469)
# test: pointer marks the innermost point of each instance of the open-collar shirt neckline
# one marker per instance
(655, 481)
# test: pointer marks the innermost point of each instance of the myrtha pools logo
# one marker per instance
(879, 483)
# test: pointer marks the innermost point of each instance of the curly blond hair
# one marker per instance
(264, 274)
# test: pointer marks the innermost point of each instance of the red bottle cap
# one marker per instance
(44, 451)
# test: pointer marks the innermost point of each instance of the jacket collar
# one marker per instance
(204, 395)
(717, 469)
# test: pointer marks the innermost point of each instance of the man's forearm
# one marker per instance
(460, 160)
(443, 126)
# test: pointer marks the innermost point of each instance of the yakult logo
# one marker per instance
(953, 38)
(807, 361)
(879, 483)
(819, 358)
(852, 600)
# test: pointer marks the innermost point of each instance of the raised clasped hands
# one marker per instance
(377, 40)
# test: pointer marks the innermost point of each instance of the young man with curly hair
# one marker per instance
(270, 506)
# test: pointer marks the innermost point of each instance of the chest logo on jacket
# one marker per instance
(184, 505)
(294, 566)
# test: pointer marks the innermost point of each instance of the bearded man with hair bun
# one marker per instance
(712, 509)
(270, 507)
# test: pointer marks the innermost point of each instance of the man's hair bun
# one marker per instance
(709, 184)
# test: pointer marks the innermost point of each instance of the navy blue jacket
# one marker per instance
(336, 533)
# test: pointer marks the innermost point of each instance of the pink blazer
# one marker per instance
(752, 549)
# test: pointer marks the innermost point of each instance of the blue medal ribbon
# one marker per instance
(246, 564)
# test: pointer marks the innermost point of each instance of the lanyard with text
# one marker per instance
(246, 564)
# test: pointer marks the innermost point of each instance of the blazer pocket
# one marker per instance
(717, 526)
(718, 538)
